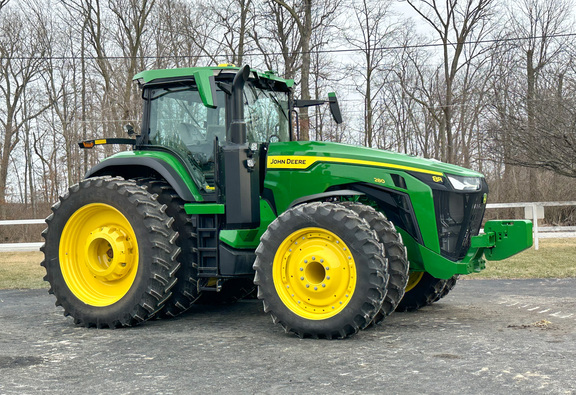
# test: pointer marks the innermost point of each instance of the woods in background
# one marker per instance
(484, 84)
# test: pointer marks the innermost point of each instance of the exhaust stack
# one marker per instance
(238, 124)
(239, 165)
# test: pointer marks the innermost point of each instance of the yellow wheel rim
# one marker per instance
(98, 254)
(413, 280)
(314, 273)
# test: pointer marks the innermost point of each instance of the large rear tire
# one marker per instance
(186, 291)
(320, 271)
(110, 253)
(395, 253)
(422, 290)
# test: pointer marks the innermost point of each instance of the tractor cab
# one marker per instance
(190, 114)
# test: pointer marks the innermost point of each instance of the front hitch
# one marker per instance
(504, 238)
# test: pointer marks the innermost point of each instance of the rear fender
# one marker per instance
(134, 167)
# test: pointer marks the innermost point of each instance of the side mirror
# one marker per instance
(334, 107)
(332, 101)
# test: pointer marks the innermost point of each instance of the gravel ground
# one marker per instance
(485, 337)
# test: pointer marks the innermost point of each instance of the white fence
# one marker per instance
(12, 247)
(539, 231)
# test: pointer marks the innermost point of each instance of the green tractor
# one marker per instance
(216, 197)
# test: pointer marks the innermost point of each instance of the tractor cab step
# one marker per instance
(207, 239)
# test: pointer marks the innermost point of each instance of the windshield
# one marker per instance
(266, 114)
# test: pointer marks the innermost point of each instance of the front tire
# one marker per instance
(422, 290)
(110, 253)
(320, 271)
(395, 254)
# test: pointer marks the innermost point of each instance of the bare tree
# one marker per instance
(233, 19)
(21, 63)
(303, 20)
(546, 138)
(132, 18)
(276, 37)
(370, 33)
(181, 35)
(455, 23)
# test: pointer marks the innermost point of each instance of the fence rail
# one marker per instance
(540, 232)
(21, 247)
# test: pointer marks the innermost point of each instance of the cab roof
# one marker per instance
(148, 76)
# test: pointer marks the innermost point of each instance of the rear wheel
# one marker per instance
(110, 254)
(320, 271)
(422, 289)
(186, 290)
(394, 252)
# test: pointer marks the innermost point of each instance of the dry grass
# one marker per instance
(556, 258)
(21, 270)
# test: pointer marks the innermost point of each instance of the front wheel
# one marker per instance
(320, 271)
(422, 290)
(110, 253)
(394, 252)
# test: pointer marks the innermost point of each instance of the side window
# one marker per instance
(180, 121)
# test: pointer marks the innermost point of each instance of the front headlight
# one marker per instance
(465, 183)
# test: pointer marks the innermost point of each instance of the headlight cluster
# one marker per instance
(465, 183)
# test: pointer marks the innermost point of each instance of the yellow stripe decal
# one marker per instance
(97, 142)
(304, 162)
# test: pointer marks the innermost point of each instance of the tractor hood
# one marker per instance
(302, 155)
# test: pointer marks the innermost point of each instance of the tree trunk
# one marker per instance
(306, 36)
(531, 113)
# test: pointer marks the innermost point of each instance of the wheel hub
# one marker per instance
(314, 273)
(108, 253)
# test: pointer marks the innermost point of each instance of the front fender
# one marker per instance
(324, 195)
